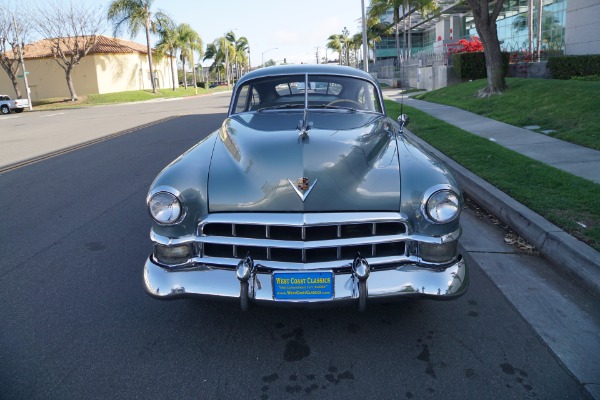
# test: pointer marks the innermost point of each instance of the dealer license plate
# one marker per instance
(303, 285)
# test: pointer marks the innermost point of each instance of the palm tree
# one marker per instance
(240, 46)
(190, 42)
(345, 38)
(379, 7)
(167, 45)
(375, 30)
(221, 51)
(241, 57)
(227, 51)
(212, 53)
(136, 14)
(334, 42)
(355, 44)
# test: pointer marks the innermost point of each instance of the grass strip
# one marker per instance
(568, 201)
(567, 107)
(122, 97)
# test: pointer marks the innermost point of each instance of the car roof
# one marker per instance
(313, 69)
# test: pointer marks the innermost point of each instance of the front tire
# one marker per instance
(18, 110)
(4, 109)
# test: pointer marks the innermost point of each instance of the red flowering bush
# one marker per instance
(469, 46)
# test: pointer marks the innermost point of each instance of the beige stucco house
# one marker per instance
(112, 65)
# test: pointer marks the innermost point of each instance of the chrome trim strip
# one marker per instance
(166, 241)
(403, 281)
(221, 262)
(299, 245)
(299, 219)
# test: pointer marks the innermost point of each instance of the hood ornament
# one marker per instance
(304, 126)
(303, 187)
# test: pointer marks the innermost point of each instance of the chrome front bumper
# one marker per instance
(406, 280)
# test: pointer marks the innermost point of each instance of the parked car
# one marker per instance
(215, 84)
(306, 198)
(7, 105)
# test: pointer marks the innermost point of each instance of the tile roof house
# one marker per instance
(112, 65)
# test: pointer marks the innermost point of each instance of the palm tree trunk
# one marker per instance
(539, 29)
(409, 47)
(530, 26)
(184, 73)
(227, 67)
(173, 72)
(397, 22)
(150, 56)
(194, 70)
(374, 53)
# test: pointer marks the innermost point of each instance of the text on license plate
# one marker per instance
(303, 285)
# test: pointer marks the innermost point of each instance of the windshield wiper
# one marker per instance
(330, 107)
(281, 107)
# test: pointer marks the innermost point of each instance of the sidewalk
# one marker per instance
(569, 256)
(565, 156)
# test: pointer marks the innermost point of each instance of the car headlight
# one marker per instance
(165, 208)
(442, 206)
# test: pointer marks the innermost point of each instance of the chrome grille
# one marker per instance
(303, 239)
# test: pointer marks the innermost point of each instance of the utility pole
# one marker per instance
(317, 54)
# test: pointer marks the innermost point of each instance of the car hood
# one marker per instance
(347, 162)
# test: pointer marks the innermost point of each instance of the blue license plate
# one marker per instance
(303, 285)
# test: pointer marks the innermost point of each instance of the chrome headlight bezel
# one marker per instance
(172, 202)
(441, 196)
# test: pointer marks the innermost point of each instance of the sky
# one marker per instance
(293, 30)
(275, 29)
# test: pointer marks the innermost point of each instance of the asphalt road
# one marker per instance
(75, 322)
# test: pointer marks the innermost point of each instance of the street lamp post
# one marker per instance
(263, 55)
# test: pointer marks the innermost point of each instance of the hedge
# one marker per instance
(472, 65)
(566, 67)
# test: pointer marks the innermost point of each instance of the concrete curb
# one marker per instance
(570, 257)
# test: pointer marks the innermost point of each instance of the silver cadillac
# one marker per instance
(308, 194)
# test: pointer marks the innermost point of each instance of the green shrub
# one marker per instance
(472, 65)
(566, 67)
(591, 78)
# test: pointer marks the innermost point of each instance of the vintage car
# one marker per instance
(306, 197)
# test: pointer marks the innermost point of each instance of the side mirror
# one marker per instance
(403, 120)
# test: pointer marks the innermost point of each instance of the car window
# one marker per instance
(242, 99)
(325, 92)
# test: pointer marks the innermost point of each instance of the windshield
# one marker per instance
(325, 92)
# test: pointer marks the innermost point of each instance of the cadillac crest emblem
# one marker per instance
(302, 184)
(303, 187)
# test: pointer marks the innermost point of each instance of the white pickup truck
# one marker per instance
(7, 105)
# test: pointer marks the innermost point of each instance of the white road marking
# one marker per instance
(51, 115)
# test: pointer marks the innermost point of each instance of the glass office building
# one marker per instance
(456, 22)
(514, 20)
